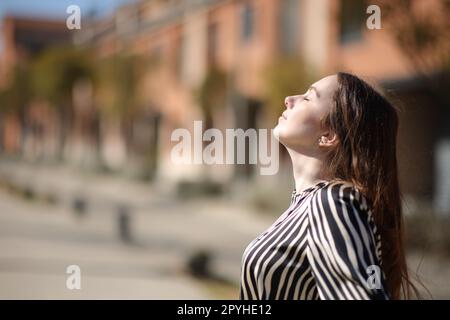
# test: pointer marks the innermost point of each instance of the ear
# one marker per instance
(328, 139)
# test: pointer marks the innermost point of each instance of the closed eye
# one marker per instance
(306, 95)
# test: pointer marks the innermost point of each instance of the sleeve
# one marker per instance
(343, 253)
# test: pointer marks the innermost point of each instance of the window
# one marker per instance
(352, 18)
(289, 16)
(212, 44)
(179, 58)
(247, 21)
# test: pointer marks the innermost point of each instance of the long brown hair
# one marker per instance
(366, 124)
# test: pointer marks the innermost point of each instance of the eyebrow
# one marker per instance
(315, 89)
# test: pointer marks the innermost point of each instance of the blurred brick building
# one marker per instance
(242, 37)
(189, 38)
(23, 39)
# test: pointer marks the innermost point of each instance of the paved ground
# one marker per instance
(39, 239)
(37, 243)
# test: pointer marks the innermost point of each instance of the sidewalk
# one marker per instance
(167, 229)
(39, 240)
(38, 243)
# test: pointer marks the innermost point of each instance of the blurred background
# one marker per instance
(86, 117)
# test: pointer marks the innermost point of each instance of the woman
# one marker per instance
(341, 237)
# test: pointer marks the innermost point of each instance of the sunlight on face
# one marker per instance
(298, 127)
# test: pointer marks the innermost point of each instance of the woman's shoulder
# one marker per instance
(338, 194)
(326, 184)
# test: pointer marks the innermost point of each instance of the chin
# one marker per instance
(278, 134)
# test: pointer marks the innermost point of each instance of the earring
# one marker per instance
(321, 140)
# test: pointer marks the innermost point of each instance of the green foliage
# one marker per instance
(15, 96)
(213, 90)
(56, 71)
(117, 81)
(285, 76)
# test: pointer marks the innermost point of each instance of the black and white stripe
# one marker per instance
(319, 248)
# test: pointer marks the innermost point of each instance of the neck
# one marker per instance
(306, 170)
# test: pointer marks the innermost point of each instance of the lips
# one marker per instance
(283, 115)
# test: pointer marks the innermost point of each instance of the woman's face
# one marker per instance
(299, 127)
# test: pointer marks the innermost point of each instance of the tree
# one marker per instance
(14, 98)
(212, 94)
(121, 95)
(423, 34)
(283, 77)
(117, 87)
(55, 73)
(421, 30)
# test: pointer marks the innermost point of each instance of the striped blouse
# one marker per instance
(324, 246)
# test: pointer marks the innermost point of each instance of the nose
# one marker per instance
(288, 102)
